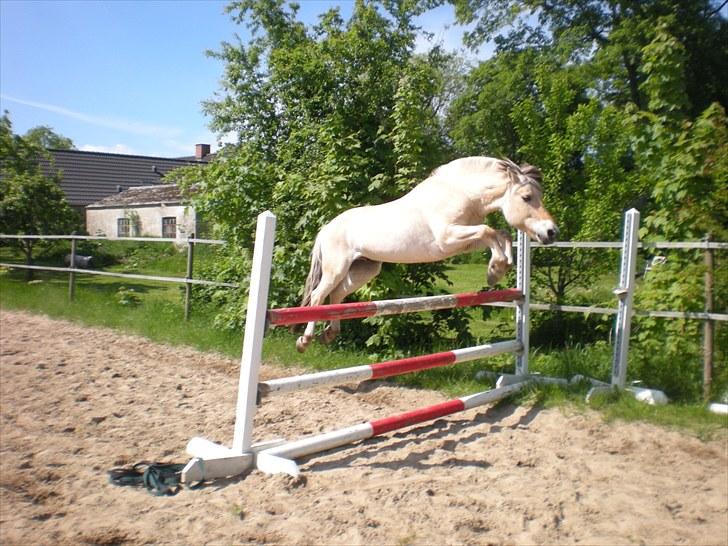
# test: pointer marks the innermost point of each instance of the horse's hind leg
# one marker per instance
(331, 275)
(360, 273)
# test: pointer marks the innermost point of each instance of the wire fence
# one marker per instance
(708, 246)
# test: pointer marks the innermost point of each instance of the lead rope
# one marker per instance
(160, 479)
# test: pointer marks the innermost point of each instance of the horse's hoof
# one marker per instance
(301, 344)
(492, 279)
(327, 336)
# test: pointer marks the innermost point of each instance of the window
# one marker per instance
(169, 227)
(127, 227)
(123, 227)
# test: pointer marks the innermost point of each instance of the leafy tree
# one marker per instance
(479, 120)
(329, 117)
(30, 202)
(533, 106)
(611, 35)
(45, 137)
(685, 163)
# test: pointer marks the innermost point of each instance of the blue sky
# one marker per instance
(128, 76)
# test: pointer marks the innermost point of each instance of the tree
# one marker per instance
(30, 202)
(611, 35)
(329, 117)
(45, 137)
(534, 107)
(684, 160)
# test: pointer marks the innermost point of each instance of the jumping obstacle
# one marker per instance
(280, 459)
(211, 460)
(384, 369)
(364, 309)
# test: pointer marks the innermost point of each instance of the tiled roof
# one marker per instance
(88, 177)
(168, 194)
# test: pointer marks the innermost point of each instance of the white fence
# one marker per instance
(188, 281)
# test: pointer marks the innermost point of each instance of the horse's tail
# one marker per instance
(314, 277)
(314, 274)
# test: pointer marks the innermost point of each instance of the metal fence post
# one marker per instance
(625, 296)
(188, 286)
(708, 332)
(523, 283)
(72, 265)
(254, 331)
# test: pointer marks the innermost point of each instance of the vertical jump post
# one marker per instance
(211, 460)
(254, 331)
(523, 282)
(625, 295)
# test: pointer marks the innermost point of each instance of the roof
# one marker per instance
(88, 177)
(168, 194)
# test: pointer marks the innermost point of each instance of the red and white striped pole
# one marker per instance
(281, 459)
(343, 311)
(384, 369)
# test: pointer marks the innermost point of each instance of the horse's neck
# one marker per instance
(485, 191)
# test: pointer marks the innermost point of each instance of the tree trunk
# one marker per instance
(633, 79)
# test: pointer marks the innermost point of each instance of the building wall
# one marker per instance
(103, 221)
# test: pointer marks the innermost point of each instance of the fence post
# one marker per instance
(708, 324)
(254, 330)
(625, 295)
(72, 265)
(188, 286)
(523, 283)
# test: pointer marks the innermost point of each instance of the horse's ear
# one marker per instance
(532, 171)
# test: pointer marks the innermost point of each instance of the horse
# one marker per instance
(439, 218)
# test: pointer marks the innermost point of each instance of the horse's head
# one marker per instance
(522, 203)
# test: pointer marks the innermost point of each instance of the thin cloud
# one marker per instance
(115, 149)
(133, 127)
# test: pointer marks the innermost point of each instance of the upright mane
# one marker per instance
(524, 174)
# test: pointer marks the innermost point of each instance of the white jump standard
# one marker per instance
(211, 461)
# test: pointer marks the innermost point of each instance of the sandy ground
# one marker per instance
(77, 401)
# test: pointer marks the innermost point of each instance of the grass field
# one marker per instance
(155, 310)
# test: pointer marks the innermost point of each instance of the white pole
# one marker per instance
(523, 282)
(254, 331)
(625, 295)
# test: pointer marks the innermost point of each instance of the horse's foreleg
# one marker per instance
(460, 239)
(360, 273)
(506, 243)
(501, 259)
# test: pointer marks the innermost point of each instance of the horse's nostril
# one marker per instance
(551, 233)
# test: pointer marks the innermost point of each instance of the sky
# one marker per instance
(129, 77)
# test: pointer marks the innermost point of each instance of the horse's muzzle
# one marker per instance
(547, 233)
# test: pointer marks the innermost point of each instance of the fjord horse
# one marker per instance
(441, 217)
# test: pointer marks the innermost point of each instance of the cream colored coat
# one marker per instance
(441, 217)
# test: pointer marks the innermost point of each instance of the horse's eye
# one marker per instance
(526, 198)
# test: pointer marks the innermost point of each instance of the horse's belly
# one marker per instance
(398, 238)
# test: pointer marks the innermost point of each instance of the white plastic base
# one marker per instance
(211, 461)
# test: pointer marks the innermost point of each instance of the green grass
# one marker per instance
(98, 302)
(158, 315)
